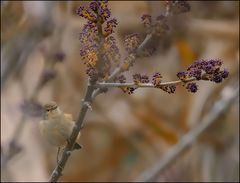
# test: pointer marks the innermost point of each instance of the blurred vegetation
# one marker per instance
(123, 135)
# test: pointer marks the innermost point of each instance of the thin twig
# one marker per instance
(140, 85)
(187, 140)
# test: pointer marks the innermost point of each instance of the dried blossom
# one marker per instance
(182, 75)
(157, 27)
(205, 70)
(128, 90)
(131, 42)
(121, 79)
(85, 13)
(177, 7)
(168, 88)
(109, 29)
(192, 87)
(160, 27)
(144, 79)
(138, 78)
(98, 50)
(92, 73)
(146, 20)
(157, 79)
(128, 62)
(111, 52)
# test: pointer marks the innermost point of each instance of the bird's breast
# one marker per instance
(50, 130)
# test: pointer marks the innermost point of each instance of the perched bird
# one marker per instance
(57, 126)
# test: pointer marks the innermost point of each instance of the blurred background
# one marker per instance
(124, 135)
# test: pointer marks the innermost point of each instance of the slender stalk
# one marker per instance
(140, 85)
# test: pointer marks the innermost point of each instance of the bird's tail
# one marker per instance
(77, 146)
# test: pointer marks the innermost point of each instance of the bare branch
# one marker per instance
(140, 85)
(57, 172)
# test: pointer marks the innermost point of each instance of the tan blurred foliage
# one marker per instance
(124, 135)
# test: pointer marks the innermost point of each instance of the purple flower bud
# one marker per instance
(144, 79)
(85, 13)
(217, 78)
(111, 24)
(181, 75)
(137, 78)
(160, 27)
(168, 88)
(156, 79)
(177, 7)
(225, 74)
(147, 20)
(131, 90)
(195, 73)
(131, 42)
(92, 73)
(121, 79)
(192, 87)
(94, 6)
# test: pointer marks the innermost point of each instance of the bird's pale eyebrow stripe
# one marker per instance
(51, 107)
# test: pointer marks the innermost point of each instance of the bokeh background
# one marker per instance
(124, 135)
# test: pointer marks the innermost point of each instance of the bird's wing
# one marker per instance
(68, 121)
(66, 126)
(68, 117)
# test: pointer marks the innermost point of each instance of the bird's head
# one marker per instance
(51, 109)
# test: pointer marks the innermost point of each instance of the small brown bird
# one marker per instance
(57, 126)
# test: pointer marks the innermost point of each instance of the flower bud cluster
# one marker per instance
(203, 70)
(131, 42)
(98, 50)
(157, 27)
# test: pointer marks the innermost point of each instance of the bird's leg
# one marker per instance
(58, 154)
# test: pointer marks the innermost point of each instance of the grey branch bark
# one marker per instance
(187, 140)
(140, 85)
